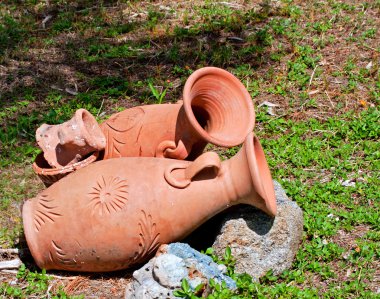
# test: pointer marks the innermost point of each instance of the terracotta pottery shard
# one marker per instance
(70, 142)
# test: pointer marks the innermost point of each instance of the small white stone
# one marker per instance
(369, 65)
(348, 183)
(222, 268)
(169, 270)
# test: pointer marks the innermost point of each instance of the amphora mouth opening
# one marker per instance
(218, 106)
(260, 174)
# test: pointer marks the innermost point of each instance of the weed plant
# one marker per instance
(35, 285)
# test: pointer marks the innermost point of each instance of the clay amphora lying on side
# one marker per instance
(216, 108)
(115, 213)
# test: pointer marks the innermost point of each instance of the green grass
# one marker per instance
(318, 61)
(271, 286)
(34, 285)
(311, 161)
(9, 33)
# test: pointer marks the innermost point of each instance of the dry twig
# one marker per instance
(12, 264)
(9, 251)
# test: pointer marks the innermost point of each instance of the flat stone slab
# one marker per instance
(258, 242)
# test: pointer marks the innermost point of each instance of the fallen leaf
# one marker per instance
(268, 104)
(313, 92)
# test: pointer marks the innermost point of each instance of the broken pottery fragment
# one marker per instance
(70, 142)
(216, 108)
(49, 175)
(111, 214)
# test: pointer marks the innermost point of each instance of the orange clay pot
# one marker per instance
(72, 141)
(216, 108)
(49, 175)
(115, 213)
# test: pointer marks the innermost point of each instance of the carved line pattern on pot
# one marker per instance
(114, 146)
(149, 238)
(45, 212)
(120, 124)
(109, 195)
(58, 255)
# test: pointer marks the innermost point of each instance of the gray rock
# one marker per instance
(169, 270)
(258, 242)
(164, 273)
(203, 264)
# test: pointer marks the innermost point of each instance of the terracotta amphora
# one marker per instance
(115, 213)
(72, 141)
(216, 108)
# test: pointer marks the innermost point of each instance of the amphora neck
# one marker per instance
(250, 176)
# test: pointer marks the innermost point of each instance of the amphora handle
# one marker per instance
(169, 149)
(179, 175)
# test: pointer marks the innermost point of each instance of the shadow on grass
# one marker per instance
(89, 53)
(85, 52)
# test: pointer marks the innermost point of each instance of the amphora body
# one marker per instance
(115, 213)
(216, 109)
